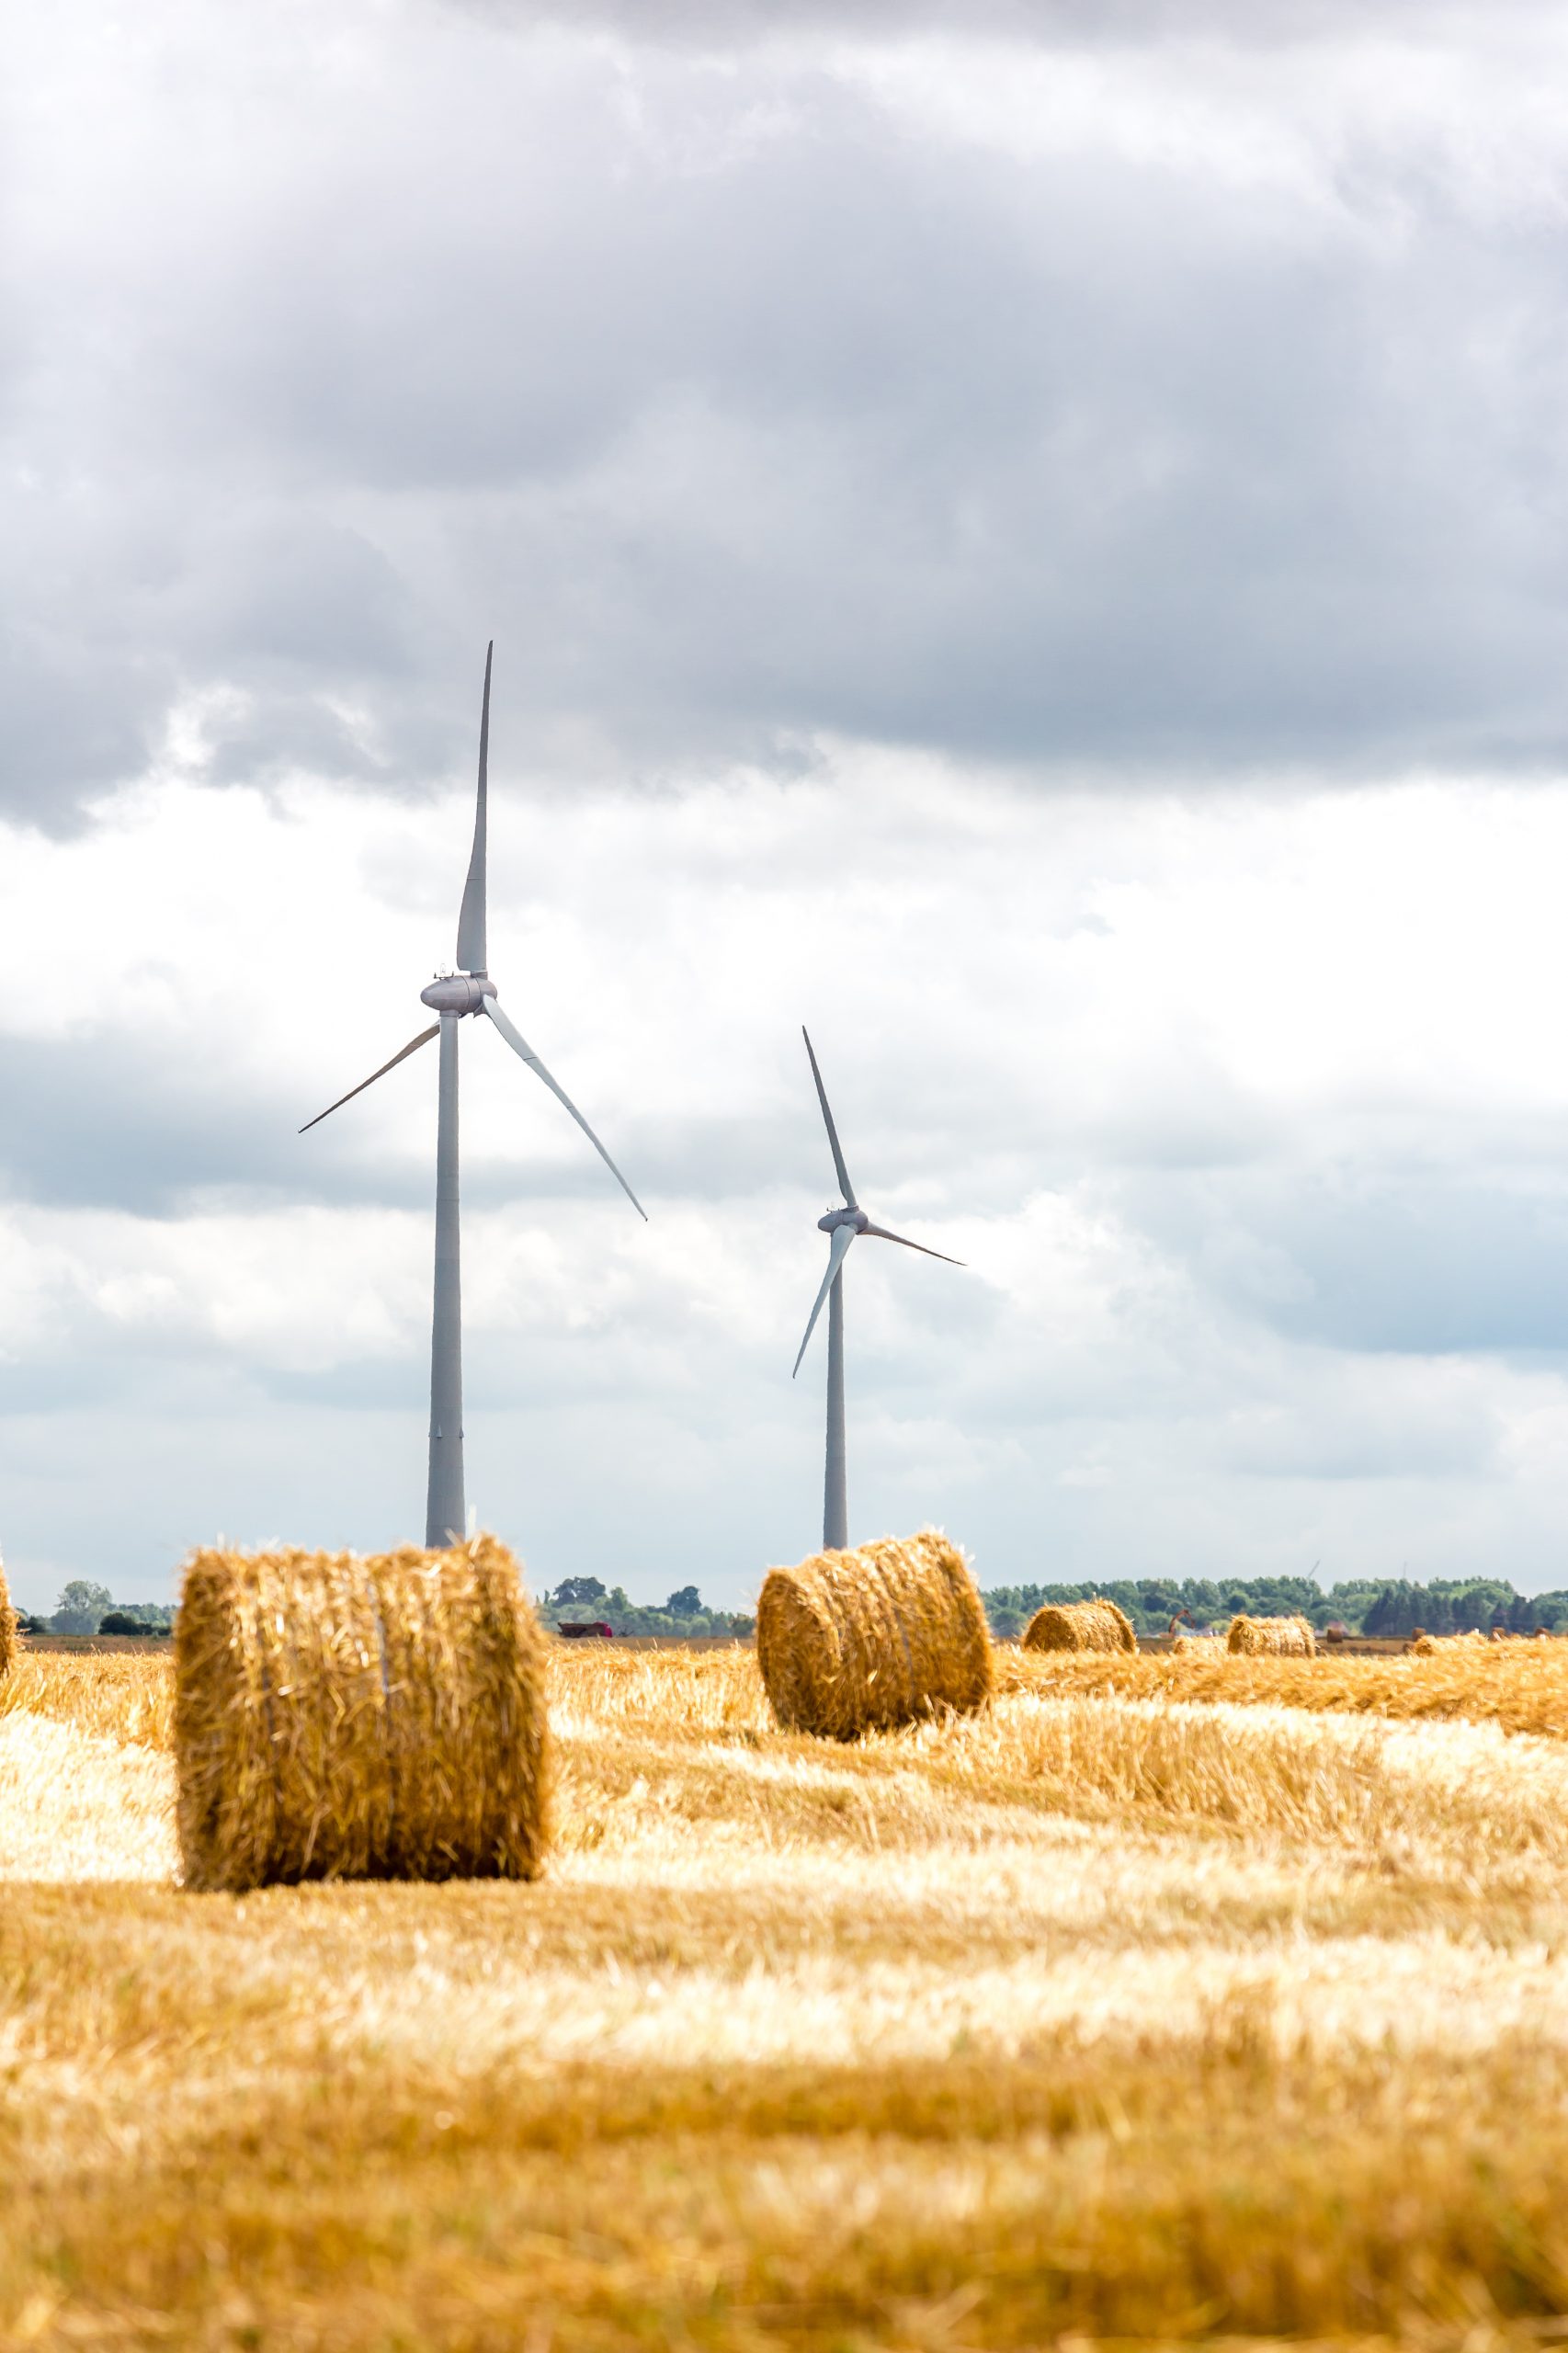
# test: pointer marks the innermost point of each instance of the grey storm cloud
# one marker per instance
(742, 414)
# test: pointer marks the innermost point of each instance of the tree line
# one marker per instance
(1392, 1608)
(683, 1612)
(1363, 1606)
(86, 1608)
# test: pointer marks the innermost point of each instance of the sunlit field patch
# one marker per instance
(1158, 1999)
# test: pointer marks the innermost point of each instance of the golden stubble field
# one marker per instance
(1167, 1999)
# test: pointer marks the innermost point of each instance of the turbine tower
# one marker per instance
(841, 1226)
(450, 996)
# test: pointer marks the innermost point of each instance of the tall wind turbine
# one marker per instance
(451, 995)
(841, 1226)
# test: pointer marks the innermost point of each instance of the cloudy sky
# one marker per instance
(1033, 539)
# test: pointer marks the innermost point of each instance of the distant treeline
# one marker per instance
(586, 1599)
(88, 1608)
(1446, 1606)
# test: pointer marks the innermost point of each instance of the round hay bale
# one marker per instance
(1271, 1637)
(340, 1718)
(9, 1638)
(1097, 1625)
(1428, 1645)
(858, 1641)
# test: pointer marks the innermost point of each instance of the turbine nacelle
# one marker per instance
(855, 1219)
(457, 993)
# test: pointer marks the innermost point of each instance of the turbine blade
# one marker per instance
(472, 949)
(845, 1186)
(838, 1250)
(520, 1047)
(400, 1056)
(883, 1236)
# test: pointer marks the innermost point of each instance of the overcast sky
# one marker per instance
(1033, 539)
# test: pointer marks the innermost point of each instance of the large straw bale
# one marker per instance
(1279, 1637)
(855, 1641)
(342, 1718)
(9, 1638)
(1097, 1625)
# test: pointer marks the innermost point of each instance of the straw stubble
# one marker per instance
(858, 1642)
(344, 1718)
(8, 1636)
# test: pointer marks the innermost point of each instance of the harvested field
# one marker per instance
(1148, 2002)
(1521, 1686)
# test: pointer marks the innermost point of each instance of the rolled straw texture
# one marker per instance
(858, 1641)
(340, 1718)
(9, 1638)
(1095, 1625)
(1279, 1637)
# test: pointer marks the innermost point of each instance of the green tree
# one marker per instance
(572, 1591)
(81, 1605)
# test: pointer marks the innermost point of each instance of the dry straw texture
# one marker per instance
(1428, 1645)
(1097, 1625)
(858, 1642)
(1085, 2018)
(1271, 1637)
(122, 1697)
(1518, 1686)
(340, 1718)
(8, 1638)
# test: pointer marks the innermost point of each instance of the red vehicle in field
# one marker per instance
(593, 1626)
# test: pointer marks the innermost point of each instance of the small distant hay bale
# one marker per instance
(9, 1638)
(1428, 1645)
(1271, 1637)
(342, 1718)
(850, 1642)
(1097, 1625)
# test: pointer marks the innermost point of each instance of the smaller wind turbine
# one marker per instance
(841, 1226)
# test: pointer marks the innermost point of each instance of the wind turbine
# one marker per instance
(841, 1226)
(451, 995)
